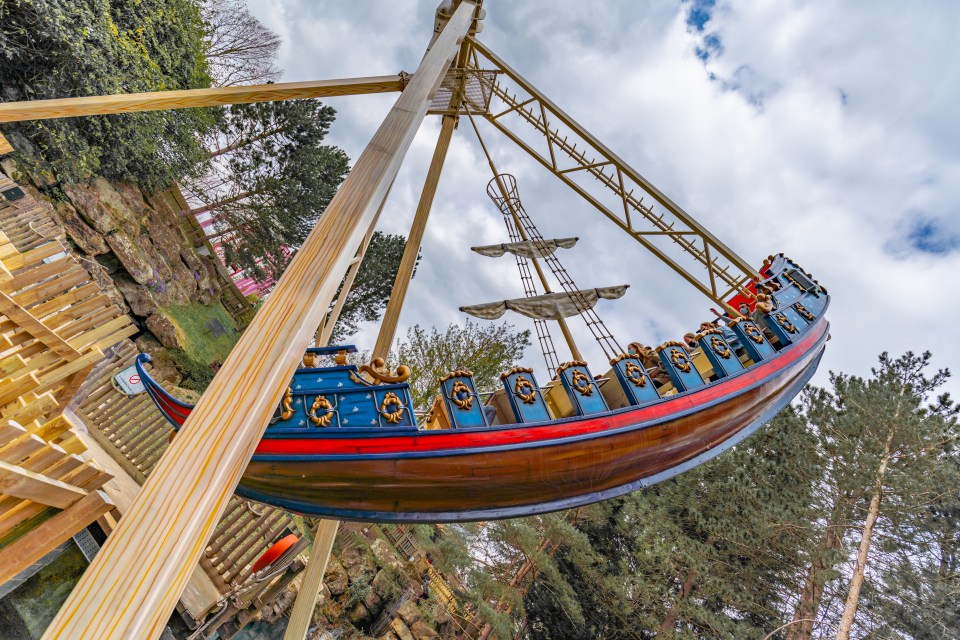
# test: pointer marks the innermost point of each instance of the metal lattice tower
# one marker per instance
(508, 201)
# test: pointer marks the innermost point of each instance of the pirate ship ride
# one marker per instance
(577, 439)
(345, 441)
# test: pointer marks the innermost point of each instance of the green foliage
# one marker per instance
(271, 179)
(889, 441)
(60, 48)
(373, 285)
(197, 375)
(704, 555)
(485, 349)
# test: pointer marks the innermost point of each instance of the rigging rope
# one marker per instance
(520, 225)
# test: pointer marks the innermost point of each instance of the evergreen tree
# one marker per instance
(705, 555)
(887, 453)
(373, 285)
(271, 177)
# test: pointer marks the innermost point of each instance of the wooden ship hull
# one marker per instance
(465, 475)
(352, 459)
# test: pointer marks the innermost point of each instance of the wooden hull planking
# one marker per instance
(523, 470)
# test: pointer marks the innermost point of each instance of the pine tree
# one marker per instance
(885, 448)
(271, 177)
(373, 285)
(704, 555)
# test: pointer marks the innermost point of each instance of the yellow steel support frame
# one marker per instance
(518, 109)
(132, 586)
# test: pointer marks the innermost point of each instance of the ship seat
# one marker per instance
(719, 352)
(582, 390)
(678, 364)
(786, 324)
(524, 395)
(463, 405)
(752, 339)
(635, 382)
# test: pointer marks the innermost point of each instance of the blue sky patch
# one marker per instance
(926, 235)
(712, 47)
(700, 13)
(921, 233)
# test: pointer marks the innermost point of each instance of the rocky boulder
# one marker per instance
(401, 629)
(358, 565)
(166, 332)
(422, 631)
(409, 612)
(335, 578)
(359, 615)
(142, 301)
(131, 255)
(83, 235)
(384, 554)
(86, 199)
(373, 602)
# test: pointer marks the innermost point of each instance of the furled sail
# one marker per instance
(527, 248)
(551, 306)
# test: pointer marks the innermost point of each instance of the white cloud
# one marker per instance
(823, 126)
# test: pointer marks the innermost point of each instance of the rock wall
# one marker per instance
(369, 592)
(145, 260)
(139, 243)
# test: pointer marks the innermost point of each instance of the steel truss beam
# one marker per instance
(519, 111)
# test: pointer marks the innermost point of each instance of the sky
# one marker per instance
(824, 130)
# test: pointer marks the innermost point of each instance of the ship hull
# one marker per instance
(519, 470)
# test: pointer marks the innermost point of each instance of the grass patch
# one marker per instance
(198, 340)
(200, 347)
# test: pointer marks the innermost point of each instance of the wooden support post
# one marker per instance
(312, 582)
(388, 326)
(132, 586)
(213, 97)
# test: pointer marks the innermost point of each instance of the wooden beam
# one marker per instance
(132, 586)
(20, 483)
(312, 581)
(34, 327)
(391, 316)
(188, 98)
(38, 542)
